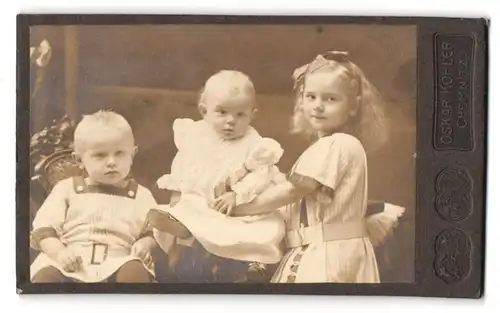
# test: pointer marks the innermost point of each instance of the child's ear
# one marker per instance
(202, 108)
(134, 152)
(357, 103)
(254, 112)
(78, 159)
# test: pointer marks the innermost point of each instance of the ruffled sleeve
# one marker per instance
(173, 181)
(182, 129)
(327, 161)
(50, 217)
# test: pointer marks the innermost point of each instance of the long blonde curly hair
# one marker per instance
(369, 124)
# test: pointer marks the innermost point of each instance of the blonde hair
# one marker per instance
(369, 124)
(227, 84)
(97, 124)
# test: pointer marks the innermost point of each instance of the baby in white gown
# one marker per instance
(222, 162)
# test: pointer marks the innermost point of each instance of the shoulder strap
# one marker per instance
(80, 185)
(132, 187)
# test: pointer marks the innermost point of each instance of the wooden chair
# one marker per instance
(51, 159)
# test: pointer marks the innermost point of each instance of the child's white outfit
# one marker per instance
(328, 238)
(99, 223)
(203, 161)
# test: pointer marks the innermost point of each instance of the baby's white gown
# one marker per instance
(203, 160)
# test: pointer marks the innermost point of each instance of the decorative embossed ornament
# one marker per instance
(453, 200)
(453, 249)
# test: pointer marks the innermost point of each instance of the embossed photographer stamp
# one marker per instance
(453, 124)
(251, 155)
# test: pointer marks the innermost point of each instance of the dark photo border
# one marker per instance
(442, 268)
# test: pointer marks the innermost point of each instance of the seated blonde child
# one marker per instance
(222, 162)
(94, 229)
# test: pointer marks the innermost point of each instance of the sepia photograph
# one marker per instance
(223, 153)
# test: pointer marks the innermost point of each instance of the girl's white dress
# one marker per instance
(98, 225)
(331, 241)
(203, 161)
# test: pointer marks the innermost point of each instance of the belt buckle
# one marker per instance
(99, 253)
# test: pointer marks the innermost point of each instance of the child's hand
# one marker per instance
(69, 261)
(226, 203)
(142, 249)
